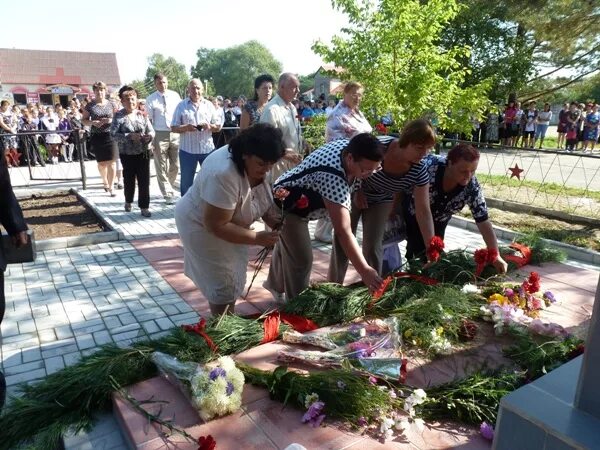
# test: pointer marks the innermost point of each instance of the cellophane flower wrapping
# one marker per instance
(372, 345)
(215, 389)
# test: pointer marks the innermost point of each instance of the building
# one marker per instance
(326, 83)
(50, 77)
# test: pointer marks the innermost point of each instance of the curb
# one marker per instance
(83, 239)
(77, 241)
(573, 252)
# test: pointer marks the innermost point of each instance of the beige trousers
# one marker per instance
(166, 160)
(292, 258)
(373, 221)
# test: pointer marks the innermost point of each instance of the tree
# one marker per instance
(516, 43)
(392, 48)
(174, 71)
(231, 71)
(307, 82)
(141, 88)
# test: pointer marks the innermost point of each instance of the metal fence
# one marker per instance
(555, 180)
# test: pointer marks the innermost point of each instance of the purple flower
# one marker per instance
(550, 297)
(216, 373)
(229, 388)
(362, 421)
(487, 431)
(313, 413)
(372, 380)
(508, 292)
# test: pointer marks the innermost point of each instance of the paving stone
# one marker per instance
(57, 351)
(102, 337)
(47, 336)
(127, 319)
(54, 364)
(25, 377)
(21, 368)
(86, 324)
(170, 309)
(72, 358)
(31, 354)
(128, 335)
(164, 323)
(11, 358)
(187, 318)
(124, 328)
(114, 312)
(63, 331)
(150, 327)
(85, 341)
(112, 322)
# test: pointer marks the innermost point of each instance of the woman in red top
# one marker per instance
(510, 124)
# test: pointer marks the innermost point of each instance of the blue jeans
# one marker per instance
(188, 163)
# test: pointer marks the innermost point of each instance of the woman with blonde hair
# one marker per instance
(99, 114)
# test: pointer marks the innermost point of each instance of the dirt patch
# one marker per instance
(557, 230)
(59, 214)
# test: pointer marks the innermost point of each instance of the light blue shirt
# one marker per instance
(195, 142)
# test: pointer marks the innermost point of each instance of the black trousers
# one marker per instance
(136, 168)
(2, 299)
(415, 246)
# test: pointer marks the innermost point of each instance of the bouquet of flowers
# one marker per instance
(371, 345)
(215, 389)
(520, 305)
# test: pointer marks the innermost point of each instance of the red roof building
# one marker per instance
(50, 77)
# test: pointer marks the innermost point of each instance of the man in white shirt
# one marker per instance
(282, 114)
(195, 119)
(160, 106)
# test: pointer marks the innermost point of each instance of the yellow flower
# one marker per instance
(408, 333)
(498, 298)
(439, 331)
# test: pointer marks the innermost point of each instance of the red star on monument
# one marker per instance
(516, 171)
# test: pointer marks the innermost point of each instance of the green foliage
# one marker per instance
(232, 70)
(539, 355)
(346, 394)
(520, 45)
(175, 72)
(393, 48)
(471, 400)
(313, 132)
(307, 82)
(142, 89)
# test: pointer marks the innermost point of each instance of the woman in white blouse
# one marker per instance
(344, 122)
(214, 216)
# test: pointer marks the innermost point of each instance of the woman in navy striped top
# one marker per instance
(402, 172)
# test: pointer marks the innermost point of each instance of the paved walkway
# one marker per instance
(70, 301)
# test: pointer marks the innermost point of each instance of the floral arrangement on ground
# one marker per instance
(431, 317)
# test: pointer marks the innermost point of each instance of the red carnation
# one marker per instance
(492, 255)
(206, 443)
(533, 283)
(302, 202)
(436, 245)
(481, 256)
(379, 292)
(381, 128)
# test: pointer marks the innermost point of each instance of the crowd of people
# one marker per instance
(526, 127)
(263, 173)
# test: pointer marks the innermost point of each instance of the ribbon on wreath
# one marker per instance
(384, 285)
(273, 320)
(520, 261)
(199, 329)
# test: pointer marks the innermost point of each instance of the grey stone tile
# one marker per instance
(72, 358)
(25, 377)
(31, 354)
(47, 336)
(64, 332)
(102, 337)
(57, 351)
(124, 328)
(164, 323)
(54, 364)
(150, 327)
(85, 341)
(26, 367)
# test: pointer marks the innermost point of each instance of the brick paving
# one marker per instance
(71, 301)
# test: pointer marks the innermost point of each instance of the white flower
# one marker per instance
(470, 289)
(420, 394)
(419, 424)
(402, 424)
(310, 399)
(227, 363)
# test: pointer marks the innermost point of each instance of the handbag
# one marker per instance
(14, 255)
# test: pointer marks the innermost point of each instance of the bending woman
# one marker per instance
(214, 216)
(321, 184)
(452, 185)
(402, 172)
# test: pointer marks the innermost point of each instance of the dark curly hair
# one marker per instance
(262, 140)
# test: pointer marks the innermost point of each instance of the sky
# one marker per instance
(134, 30)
